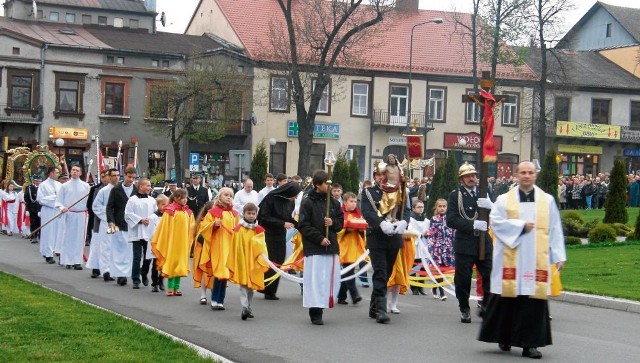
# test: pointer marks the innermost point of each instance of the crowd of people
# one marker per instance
(245, 237)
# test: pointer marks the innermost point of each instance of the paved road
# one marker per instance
(426, 330)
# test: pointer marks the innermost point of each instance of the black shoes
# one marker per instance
(136, 286)
(316, 316)
(504, 347)
(77, 266)
(343, 302)
(161, 286)
(155, 289)
(531, 353)
(95, 273)
(245, 313)
(271, 297)
(50, 260)
(107, 277)
(465, 317)
(356, 299)
(121, 281)
(145, 280)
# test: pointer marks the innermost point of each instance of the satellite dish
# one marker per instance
(254, 119)
(34, 9)
(163, 19)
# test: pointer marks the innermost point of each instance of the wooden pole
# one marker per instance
(57, 215)
(329, 182)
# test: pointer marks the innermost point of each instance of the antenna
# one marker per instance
(163, 19)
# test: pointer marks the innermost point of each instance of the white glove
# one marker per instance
(26, 214)
(387, 228)
(480, 225)
(400, 226)
(485, 203)
(38, 214)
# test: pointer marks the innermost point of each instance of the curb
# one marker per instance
(599, 301)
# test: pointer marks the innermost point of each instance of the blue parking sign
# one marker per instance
(194, 158)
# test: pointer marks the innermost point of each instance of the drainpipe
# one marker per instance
(41, 96)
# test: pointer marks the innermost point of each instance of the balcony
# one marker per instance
(627, 134)
(18, 116)
(382, 118)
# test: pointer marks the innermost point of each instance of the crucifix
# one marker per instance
(487, 152)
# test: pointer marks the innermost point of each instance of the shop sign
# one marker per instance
(320, 130)
(397, 140)
(68, 133)
(591, 131)
(631, 151)
(471, 141)
(580, 149)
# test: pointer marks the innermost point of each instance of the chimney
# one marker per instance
(409, 6)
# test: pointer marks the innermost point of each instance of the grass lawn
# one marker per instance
(589, 215)
(40, 325)
(609, 269)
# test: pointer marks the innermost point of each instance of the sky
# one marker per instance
(178, 12)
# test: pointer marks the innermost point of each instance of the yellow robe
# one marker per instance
(171, 241)
(245, 263)
(198, 273)
(352, 244)
(403, 265)
(217, 241)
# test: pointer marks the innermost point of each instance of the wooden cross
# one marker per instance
(486, 83)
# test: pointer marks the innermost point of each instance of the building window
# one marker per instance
(359, 154)
(165, 64)
(608, 34)
(279, 95)
(437, 104)
(54, 16)
(510, 110)
(360, 99)
(155, 63)
(600, 111)
(40, 14)
(23, 89)
(324, 106)
(278, 158)
(15, 51)
(157, 100)
(70, 18)
(561, 108)
(398, 105)
(102, 20)
(120, 60)
(157, 160)
(133, 23)
(69, 93)
(86, 19)
(316, 157)
(115, 96)
(473, 112)
(118, 22)
(634, 121)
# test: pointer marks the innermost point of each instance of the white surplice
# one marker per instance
(321, 280)
(508, 232)
(52, 232)
(76, 218)
(417, 227)
(137, 209)
(102, 250)
(12, 204)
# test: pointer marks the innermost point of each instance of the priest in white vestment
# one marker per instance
(528, 240)
(100, 210)
(46, 197)
(140, 208)
(72, 201)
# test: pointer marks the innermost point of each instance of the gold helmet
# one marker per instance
(466, 169)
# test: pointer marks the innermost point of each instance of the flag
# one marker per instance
(100, 160)
(414, 146)
(488, 147)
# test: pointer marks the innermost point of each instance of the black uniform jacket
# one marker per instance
(197, 199)
(465, 242)
(115, 206)
(375, 237)
(311, 224)
(30, 200)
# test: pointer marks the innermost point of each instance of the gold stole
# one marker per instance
(510, 255)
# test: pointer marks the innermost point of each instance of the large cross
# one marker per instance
(486, 83)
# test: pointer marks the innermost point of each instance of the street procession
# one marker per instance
(368, 157)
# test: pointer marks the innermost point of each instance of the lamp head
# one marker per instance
(330, 160)
(437, 20)
(272, 141)
(59, 142)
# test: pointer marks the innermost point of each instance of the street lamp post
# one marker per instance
(59, 143)
(435, 21)
(272, 143)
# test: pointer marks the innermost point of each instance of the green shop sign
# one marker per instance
(320, 130)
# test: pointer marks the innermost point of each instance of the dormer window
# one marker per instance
(70, 18)
(118, 22)
(54, 16)
(102, 20)
(609, 30)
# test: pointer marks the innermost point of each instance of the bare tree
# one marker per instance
(548, 18)
(200, 106)
(320, 37)
(470, 31)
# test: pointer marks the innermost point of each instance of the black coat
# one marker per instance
(94, 222)
(275, 210)
(311, 224)
(196, 200)
(375, 237)
(30, 200)
(115, 206)
(465, 242)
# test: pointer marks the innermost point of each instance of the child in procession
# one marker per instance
(201, 280)
(351, 240)
(157, 283)
(440, 243)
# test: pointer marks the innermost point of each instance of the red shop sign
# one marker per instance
(471, 141)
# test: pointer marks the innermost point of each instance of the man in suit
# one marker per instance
(121, 251)
(171, 188)
(33, 207)
(91, 225)
(462, 216)
(197, 195)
